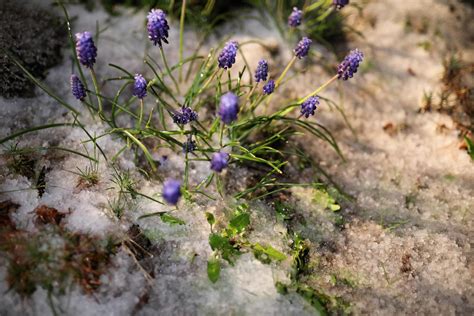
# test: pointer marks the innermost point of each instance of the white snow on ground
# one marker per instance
(413, 191)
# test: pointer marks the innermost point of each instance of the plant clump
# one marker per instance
(159, 116)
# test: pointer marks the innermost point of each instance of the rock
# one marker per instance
(33, 35)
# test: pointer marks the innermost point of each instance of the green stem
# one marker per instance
(321, 88)
(97, 90)
(209, 81)
(186, 170)
(181, 39)
(283, 74)
(248, 97)
(74, 53)
(169, 70)
(221, 134)
(140, 116)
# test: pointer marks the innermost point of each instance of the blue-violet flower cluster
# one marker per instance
(85, 49)
(219, 161)
(186, 116)
(229, 107)
(339, 4)
(227, 56)
(269, 87)
(348, 67)
(295, 17)
(309, 106)
(189, 145)
(139, 86)
(171, 191)
(77, 88)
(261, 73)
(302, 49)
(157, 26)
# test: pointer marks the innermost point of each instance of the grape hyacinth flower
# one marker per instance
(171, 191)
(139, 86)
(269, 87)
(189, 145)
(85, 49)
(227, 56)
(339, 4)
(261, 73)
(348, 67)
(186, 116)
(77, 88)
(302, 49)
(229, 107)
(219, 161)
(295, 17)
(157, 27)
(309, 106)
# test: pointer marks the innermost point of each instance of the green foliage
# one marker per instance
(228, 244)
(172, 220)
(300, 257)
(325, 199)
(284, 212)
(316, 299)
(239, 223)
(258, 142)
(268, 253)
(470, 146)
(210, 219)
(226, 247)
(213, 270)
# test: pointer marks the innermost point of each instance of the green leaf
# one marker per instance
(217, 242)
(213, 270)
(325, 200)
(210, 218)
(275, 254)
(269, 251)
(224, 246)
(470, 146)
(240, 222)
(167, 218)
(283, 211)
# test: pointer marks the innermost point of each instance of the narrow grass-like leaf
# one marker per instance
(41, 85)
(167, 218)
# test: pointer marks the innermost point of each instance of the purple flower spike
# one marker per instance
(189, 145)
(77, 88)
(348, 67)
(269, 87)
(139, 87)
(295, 17)
(339, 4)
(227, 56)
(186, 116)
(309, 106)
(302, 49)
(157, 26)
(171, 191)
(261, 73)
(85, 49)
(229, 108)
(219, 161)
